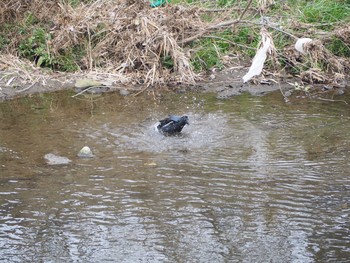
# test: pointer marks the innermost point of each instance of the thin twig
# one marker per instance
(27, 88)
(230, 42)
(270, 26)
(138, 93)
(334, 100)
(245, 10)
(223, 9)
(216, 26)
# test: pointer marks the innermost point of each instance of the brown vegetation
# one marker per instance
(319, 64)
(125, 37)
(127, 41)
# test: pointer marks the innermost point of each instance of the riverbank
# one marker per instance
(224, 83)
(48, 46)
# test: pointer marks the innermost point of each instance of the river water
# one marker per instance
(251, 179)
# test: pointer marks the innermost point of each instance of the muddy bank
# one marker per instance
(225, 83)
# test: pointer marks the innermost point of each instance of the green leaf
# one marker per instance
(40, 61)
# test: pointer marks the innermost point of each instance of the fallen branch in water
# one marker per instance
(333, 100)
(83, 91)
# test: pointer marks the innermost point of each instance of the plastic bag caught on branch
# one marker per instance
(266, 47)
(299, 45)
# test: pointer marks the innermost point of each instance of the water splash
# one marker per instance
(204, 131)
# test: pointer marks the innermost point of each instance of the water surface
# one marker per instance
(251, 179)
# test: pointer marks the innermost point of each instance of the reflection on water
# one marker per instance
(249, 180)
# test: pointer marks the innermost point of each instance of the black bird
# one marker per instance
(172, 125)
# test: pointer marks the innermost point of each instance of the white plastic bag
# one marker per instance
(299, 45)
(260, 56)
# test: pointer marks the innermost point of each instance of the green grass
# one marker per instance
(3, 42)
(248, 37)
(68, 60)
(223, 3)
(207, 57)
(167, 62)
(75, 3)
(338, 47)
(244, 41)
(325, 11)
(35, 47)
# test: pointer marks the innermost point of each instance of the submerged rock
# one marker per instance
(150, 164)
(124, 92)
(53, 159)
(85, 152)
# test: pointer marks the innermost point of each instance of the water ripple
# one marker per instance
(247, 181)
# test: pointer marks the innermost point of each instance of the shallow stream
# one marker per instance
(251, 179)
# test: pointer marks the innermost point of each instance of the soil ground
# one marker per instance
(225, 83)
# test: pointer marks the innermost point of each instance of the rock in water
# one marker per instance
(86, 83)
(85, 152)
(53, 159)
(172, 125)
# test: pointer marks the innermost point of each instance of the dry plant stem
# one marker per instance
(89, 49)
(48, 50)
(230, 42)
(8, 83)
(217, 26)
(126, 37)
(283, 94)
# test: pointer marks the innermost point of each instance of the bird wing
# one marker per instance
(175, 118)
(170, 122)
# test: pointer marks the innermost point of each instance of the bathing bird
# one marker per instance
(172, 125)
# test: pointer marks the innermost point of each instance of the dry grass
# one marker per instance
(127, 41)
(318, 64)
(123, 37)
(344, 34)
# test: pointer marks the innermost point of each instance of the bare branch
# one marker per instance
(217, 26)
